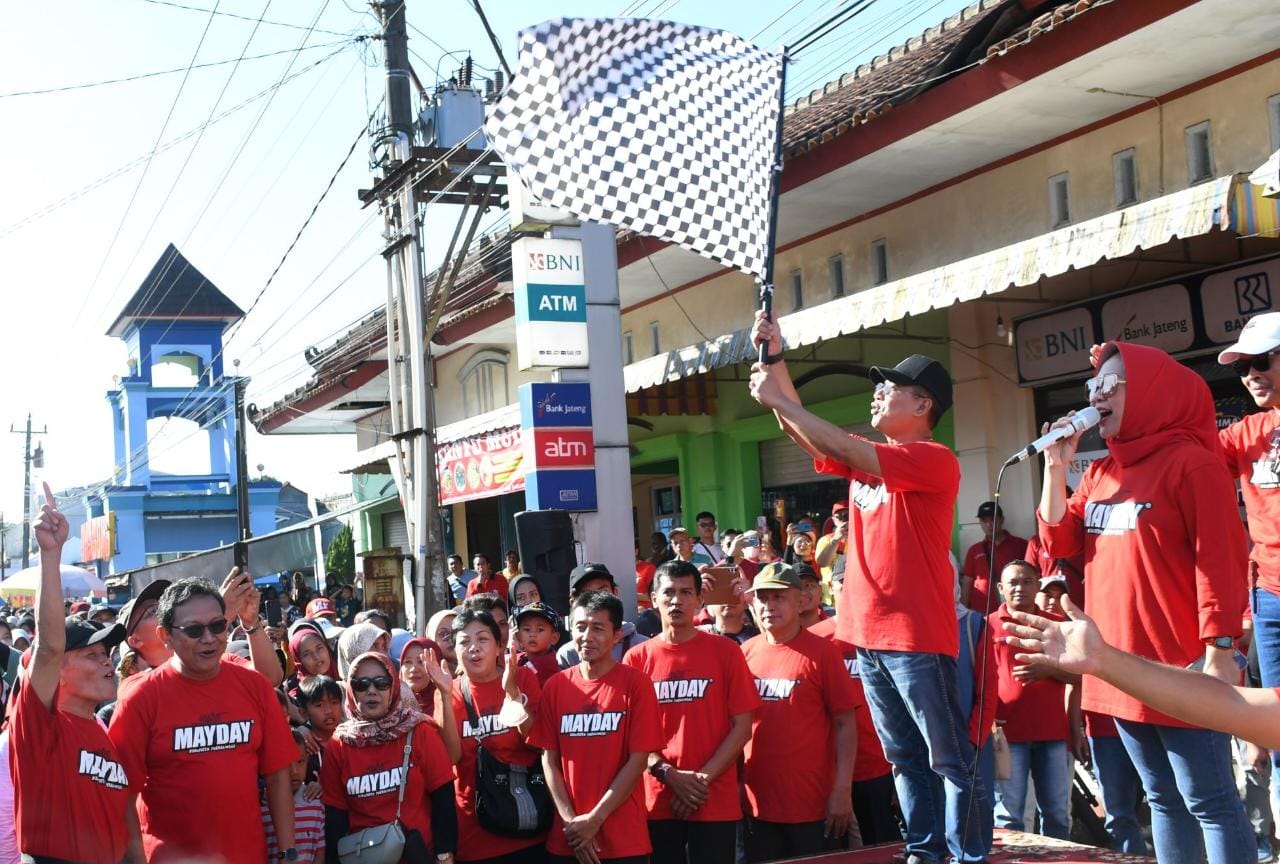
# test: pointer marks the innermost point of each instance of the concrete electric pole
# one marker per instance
(27, 456)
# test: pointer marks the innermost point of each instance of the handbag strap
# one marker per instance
(472, 716)
(404, 772)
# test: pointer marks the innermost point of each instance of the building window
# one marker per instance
(1273, 116)
(1199, 153)
(628, 349)
(1059, 200)
(835, 267)
(797, 290)
(484, 382)
(879, 262)
(1124, 171)
(655, 340)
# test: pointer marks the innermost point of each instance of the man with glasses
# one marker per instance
(898, 601)
(195, 735)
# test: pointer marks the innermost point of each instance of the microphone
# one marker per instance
(1085, 418)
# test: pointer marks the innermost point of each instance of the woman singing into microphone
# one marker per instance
(1165, 578)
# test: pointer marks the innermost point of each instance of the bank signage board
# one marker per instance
(551, 303)
(1192, 315)
(559, 446)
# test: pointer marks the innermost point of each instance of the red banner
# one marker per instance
(481, 466)
(98, 538)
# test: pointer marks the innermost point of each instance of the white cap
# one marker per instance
(1051, 578)
(1261, 334)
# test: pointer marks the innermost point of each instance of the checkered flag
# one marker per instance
(662, 128)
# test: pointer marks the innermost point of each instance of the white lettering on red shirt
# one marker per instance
(485, 725)
(100, 769)
(375, 783)
(590, 725)
(865, 496)
(1113, 518)
(775, 689)
(681, 690)
(208, 737)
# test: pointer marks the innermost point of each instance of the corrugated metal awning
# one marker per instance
(1188, 213)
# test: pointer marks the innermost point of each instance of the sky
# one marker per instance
(98, 179)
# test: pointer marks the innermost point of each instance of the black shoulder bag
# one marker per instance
(511, 800)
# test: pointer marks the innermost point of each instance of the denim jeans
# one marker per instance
(1045, 762)
(916, 712)
(1120, 785)
(1266, 638)
(1192, 792)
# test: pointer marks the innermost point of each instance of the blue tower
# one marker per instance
(173, 328)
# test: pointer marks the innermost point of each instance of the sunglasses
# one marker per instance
(360, 685)
(1104, 385)
(196, 631)
(1258, 362)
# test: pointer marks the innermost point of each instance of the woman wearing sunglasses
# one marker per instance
(361, 774)
(1164, 551)
(497, 691)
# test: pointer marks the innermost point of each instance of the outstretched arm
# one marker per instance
(1076, 646)
(51, 641)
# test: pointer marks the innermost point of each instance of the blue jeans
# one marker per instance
(1192, 792)
(917, 714)
(1046, 763)
(1120, 784)
(1266, 636)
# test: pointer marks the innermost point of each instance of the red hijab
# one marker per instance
(1166, 404)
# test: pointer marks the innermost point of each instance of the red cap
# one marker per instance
(321, 606)
(838, 506)
(79, 606)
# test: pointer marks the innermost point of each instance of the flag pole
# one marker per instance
(775, 183)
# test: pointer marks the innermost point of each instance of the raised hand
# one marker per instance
(767, 332)
(1074, 646)
(440, 679)
(241, 597)
(509, 670)
(50, 526)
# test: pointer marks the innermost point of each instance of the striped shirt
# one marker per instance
(308, 829)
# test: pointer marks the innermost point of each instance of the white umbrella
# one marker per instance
(76, 582)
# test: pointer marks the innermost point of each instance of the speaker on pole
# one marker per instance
(544, 539)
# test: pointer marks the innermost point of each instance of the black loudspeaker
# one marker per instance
(544, 539)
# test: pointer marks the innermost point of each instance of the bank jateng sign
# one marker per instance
(1191, 315)
(551, 303)
(559, 448)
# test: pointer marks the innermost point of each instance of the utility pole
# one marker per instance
(409, 360)
(26, 488)
(4, 537)
(240, 553)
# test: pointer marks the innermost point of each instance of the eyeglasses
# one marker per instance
(360, 685)
(196, 631)
(1104, 385)
(888, 388)
(1258, 362)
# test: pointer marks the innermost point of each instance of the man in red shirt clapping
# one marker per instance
(69, 785)
(706, 697)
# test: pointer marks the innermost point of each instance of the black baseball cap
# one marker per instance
(537, 609)
(83, 634)
(583, 572)
(921, 371)
(988, 509)
(150, 592)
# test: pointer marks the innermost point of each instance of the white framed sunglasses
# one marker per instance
(1104, 385)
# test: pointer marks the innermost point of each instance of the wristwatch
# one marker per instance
(659, 771)
(1223, 642)
(290, 854)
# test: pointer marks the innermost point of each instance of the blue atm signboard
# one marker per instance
(559, 447)
(551, 303)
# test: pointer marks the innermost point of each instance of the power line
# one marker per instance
(853, 10)
(89, 84)
(246, 17)
(493, 38)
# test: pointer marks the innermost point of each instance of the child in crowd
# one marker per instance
(308, 815)
(1052, 587)
(537, 634)
(320, 701)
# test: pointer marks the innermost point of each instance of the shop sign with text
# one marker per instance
(559, 446)
(551, 303)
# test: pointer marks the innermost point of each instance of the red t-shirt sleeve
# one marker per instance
(1230, 441)
(827, 465)
(644, 733)
(431, 756)
(1220, 550)
(130, 730)
(921, 466)
(838, 692)
(740, 684)
(971, 569)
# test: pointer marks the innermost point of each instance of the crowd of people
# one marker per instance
(902, 694)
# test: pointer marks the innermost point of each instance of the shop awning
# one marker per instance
(1191, 212)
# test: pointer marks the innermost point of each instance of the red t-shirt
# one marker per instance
(198, 747)
(1252, 448)
(1100, 725)
(543, 665)
(790, 759)
(644, 583)
(495, 584)
(70, 791)
(1030, 712)
(1165, 564)
(1072, 569)
(365, 781)
(870, 762)
(700, 685)
(127, 684)
(977, 567)
(595, 726)
(899, 586)
(475, 843)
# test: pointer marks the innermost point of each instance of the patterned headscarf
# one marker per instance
(356, 731)
(355, 641)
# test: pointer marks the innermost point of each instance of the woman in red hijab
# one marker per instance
(1165, 567)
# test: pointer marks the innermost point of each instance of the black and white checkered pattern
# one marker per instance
(662, 128)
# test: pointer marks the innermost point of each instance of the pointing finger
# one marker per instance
(48, 495)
